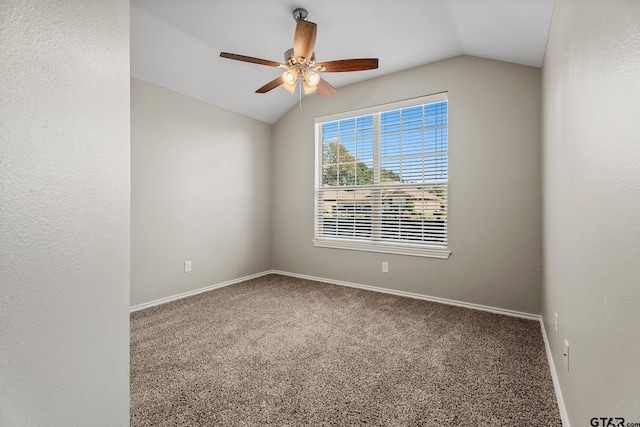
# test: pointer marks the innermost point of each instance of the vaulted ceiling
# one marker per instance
(176, 44)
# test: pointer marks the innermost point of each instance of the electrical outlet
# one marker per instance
(187, 266)
(556, 325)
(385, 267)
(566, 354)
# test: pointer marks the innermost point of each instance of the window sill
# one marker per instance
(386, 248)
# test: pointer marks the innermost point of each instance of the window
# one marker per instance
(381, 178)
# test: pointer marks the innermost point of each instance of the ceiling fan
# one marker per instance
(300, 62)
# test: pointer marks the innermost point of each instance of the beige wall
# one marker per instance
(494, 187)
(591, 163)
(200, 191)
(64, 213)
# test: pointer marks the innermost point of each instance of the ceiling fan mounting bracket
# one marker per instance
(300, 14)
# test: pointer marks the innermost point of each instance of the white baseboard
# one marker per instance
(195, 292)
(554, 375)
(496, 310)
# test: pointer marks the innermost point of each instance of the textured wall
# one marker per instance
(591, 216)
(64, 213)
(494, 186)
(200, 191)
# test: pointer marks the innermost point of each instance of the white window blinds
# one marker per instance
(381, 178)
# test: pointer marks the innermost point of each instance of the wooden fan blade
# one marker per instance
(342, 65)
(304, 41)
(326, 89)
(271, 85)
(250, 59)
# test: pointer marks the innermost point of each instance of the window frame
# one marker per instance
(400, 248)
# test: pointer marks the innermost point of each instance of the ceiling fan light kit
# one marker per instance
(311, 77)
(308, 89)
(300, 62)
(289, 80)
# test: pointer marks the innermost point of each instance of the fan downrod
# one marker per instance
(300, 14)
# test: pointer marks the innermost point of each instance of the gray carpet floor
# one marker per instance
(284, 351)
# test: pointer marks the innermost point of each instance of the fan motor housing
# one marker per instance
(290, 60)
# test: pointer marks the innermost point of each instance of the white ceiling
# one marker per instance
(176, 43)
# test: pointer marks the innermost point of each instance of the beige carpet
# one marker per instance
(283, 351)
